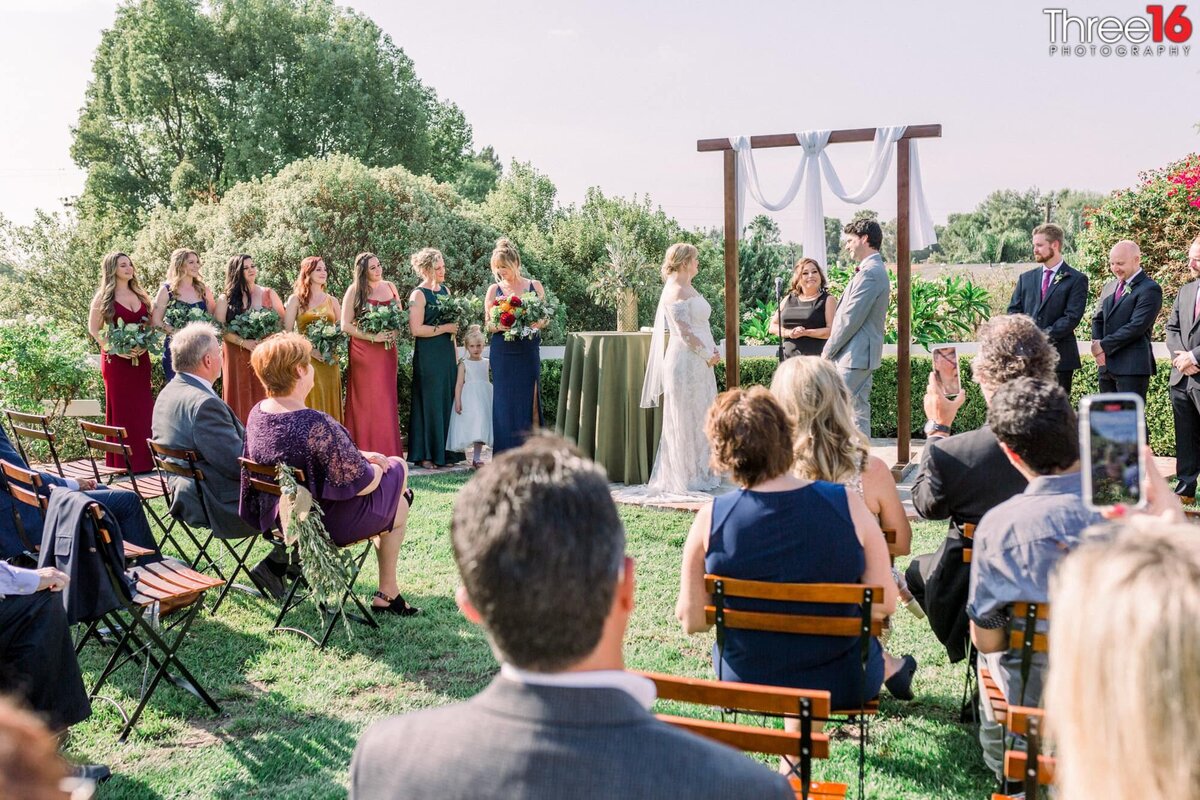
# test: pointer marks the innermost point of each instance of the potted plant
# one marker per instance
(618, 278)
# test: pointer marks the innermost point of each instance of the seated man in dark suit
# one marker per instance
(964, 476)
(1121, 326)
(124, 505)
(189, 415)
(542, 556)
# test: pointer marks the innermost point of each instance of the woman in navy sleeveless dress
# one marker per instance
(183, 278)
(516, 365)
(782, 529)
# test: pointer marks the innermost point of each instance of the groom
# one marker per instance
(855, 344)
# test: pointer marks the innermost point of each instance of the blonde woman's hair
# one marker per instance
(424, 260)
(178, 271)
(108, 286)
(828, 445)
(505, 255)
(474, 334)
(1124, 681)
(677, 255)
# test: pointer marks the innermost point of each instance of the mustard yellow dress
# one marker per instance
(326, 394)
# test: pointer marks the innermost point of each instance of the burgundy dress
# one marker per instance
(334, 469)
(372, 414)
(128, 399)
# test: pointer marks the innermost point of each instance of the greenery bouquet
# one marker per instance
(383, 319)
(256, 324)
(327, 340)
(516, 315)
(132, 339)
(464, 310)
(179, 315)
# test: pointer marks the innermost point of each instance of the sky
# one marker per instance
(615, 94)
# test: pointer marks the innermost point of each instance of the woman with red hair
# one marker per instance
(310, 303)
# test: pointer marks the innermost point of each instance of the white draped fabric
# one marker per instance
(814, 162)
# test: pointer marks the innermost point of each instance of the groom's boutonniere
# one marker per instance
(1059, 278)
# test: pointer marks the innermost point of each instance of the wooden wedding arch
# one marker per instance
(903, 260)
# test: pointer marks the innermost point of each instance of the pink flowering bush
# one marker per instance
(1161, 213)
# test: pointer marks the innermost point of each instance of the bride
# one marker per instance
(684, 378)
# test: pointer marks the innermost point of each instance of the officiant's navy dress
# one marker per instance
(516, 387)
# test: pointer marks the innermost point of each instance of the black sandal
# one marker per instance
(409, 497)
(396, 605)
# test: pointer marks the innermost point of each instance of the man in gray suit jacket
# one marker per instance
(189, 415)
(542, 556)
(1183, 342)
(855, 344)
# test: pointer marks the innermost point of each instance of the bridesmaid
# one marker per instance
(184, 287)
(240, 388)
(128, 399)
(309, 303)
(516, 365)
(435, 363)
(371, 400)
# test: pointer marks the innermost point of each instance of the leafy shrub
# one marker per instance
(43, 367)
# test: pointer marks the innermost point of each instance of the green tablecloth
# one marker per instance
(599, 403)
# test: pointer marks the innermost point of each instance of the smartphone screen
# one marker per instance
(945, 366)
(1111, 431)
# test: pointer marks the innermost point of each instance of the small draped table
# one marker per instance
(599, 403)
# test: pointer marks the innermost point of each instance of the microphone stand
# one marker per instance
(779, 314)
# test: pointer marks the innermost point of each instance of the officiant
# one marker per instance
(806, 312)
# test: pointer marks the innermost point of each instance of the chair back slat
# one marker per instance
(263, 477)
(792, 623)
(1015, 763)
(825, 593)
(24, 485)
(163, 456)
(890, 535)
(748, 738)
(32, 433)
(742, 696)
(1017, 638)
(25, 418)
(1019, 717)
(1042, 610)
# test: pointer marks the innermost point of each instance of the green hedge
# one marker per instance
(884, 394)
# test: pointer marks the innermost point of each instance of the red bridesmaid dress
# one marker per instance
(372, 415)
(128, 399)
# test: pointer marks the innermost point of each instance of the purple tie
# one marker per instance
(1120, 291)
(1046, 276)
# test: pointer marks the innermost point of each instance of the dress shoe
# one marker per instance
(1186, 489)
(96, 773)
(267, 580)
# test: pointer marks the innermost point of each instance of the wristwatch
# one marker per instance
(932, 427)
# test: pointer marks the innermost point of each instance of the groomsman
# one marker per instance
(1183, 343)
(1129, 304)
(855, 343)
(1055, 296)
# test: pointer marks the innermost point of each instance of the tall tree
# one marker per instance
(188, 98)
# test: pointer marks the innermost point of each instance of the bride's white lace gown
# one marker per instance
(681, 467)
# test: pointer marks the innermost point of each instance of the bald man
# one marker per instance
(1121, 326)
(1183, 342)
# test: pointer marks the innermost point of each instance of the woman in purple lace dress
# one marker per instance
(361, 494)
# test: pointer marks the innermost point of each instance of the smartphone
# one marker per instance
(945, 364)
(1112, 428)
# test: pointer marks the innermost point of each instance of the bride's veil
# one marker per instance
(652, 386)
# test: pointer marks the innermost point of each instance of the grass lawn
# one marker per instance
(291, 715)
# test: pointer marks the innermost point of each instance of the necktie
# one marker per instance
(1120, 291)
(1196, 311)
(1046, 276)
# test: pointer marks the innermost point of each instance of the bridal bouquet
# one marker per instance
(178, 315)
(515, 315)
(256, 324)
(130, 338)
(327, 340)
(383, 319)
(464, 310)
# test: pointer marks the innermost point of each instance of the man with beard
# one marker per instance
(1183, 343)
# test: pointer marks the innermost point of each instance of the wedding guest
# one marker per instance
(1125, 605)
(1054, 295)
(806, 312)
(1121, 326)
(516, 364)
(128, 398)
(309, 303)
(855, 343)
(827, 447)
(1183, 343)
(371, 397)
(239, 388)
(541, 553)
(434, 362)
(30, 766)
(184, 288)
(781, 528)
(471, 425)
(361, 494)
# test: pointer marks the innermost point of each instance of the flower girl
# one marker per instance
(471, 423)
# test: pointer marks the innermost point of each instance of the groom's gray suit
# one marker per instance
(855, 344)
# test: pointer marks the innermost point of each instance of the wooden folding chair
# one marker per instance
(264, 478)
(184, 463)
(36, 427)
(1031, 767)
(862, 627)
(150, 595)
(1023, 637)
(26, 486)
(968, 712)
(800, 748)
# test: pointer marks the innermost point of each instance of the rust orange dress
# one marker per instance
(372, 407)
(240, 387)
(128, 398)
